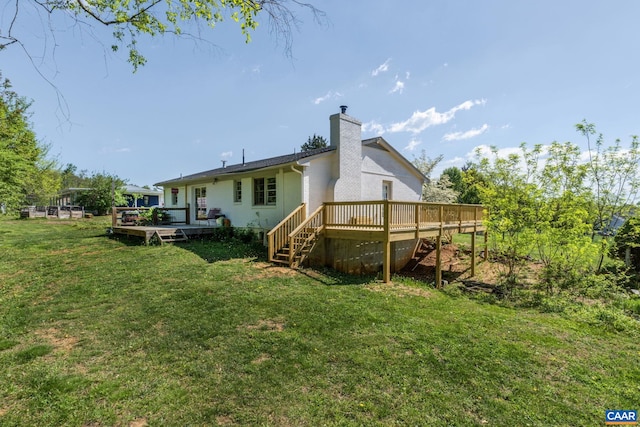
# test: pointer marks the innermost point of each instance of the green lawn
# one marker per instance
(99, 332)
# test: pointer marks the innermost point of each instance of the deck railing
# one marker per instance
(375, 216)
(402, 215)
(279, 236)
(169, 215)
(356, 215)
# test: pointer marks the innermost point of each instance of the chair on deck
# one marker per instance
(213, 215)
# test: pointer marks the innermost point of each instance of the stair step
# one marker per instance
(171, 235)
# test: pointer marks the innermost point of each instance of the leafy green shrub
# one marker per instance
(632, 305)
(627, 240)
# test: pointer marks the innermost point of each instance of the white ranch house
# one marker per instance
(353, 206)
(259, 194)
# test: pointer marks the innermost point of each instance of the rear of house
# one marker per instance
(259, 194)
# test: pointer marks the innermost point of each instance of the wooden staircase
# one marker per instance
(303, 244)
(170, 235)
(292, 248)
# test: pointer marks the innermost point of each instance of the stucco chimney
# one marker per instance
(346, 135)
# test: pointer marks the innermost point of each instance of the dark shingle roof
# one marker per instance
(250, 166)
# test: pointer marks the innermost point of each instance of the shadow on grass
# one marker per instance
(212, 250)
(330, 277)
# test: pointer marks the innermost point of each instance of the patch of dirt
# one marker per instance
(223, 420)
(139, 422)
(269, 270)
(266, 325)
(455, 262)
(261, 359)
(456, 267)
(63, 343)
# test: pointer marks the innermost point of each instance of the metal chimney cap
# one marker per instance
(343, 109)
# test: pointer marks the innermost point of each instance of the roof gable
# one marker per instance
(380, 144)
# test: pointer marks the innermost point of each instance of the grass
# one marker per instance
(96, 331)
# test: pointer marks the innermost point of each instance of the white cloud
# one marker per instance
(412, 145)
(226, 154)
(421, 120)
(330, 95)
(382, 68)
(472, 133)
(123, 150)
(374, 127)
(399, 87)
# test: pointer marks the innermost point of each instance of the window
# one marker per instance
(386, 190)
(174, 199)
(201, 202)
(264, 191)
(145, 200)
(237, 191)
(271, 191)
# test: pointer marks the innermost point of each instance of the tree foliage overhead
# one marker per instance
(131, 19)
(314, 142)
(26, 176)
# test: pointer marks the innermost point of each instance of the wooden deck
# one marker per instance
(382, 221)
(164, 233)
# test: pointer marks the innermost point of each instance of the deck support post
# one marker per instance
(439, 248)
(486, 245)
(473, 253)
(438, 261)
(473, 242)
(386, 262)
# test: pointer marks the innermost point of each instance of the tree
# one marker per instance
(71, 178)
(314, 142)
(511, 200)
(26, 176)
(132, 19)
(614, 175)
(627, 241)
(105, 191)
(435, 191)
(464, 182)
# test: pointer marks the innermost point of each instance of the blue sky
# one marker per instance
(444, 76)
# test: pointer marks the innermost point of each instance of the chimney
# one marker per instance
(346, 136)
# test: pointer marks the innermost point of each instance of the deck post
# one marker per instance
(114, 216)
(438, 261)
(417, 217)
(473, 253)
(486, 245)
(386, 261)
(439, 247)
(473, 242)
(292, 251)
(188, 214)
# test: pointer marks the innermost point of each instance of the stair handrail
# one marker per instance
(316, 219)
(277, 238)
